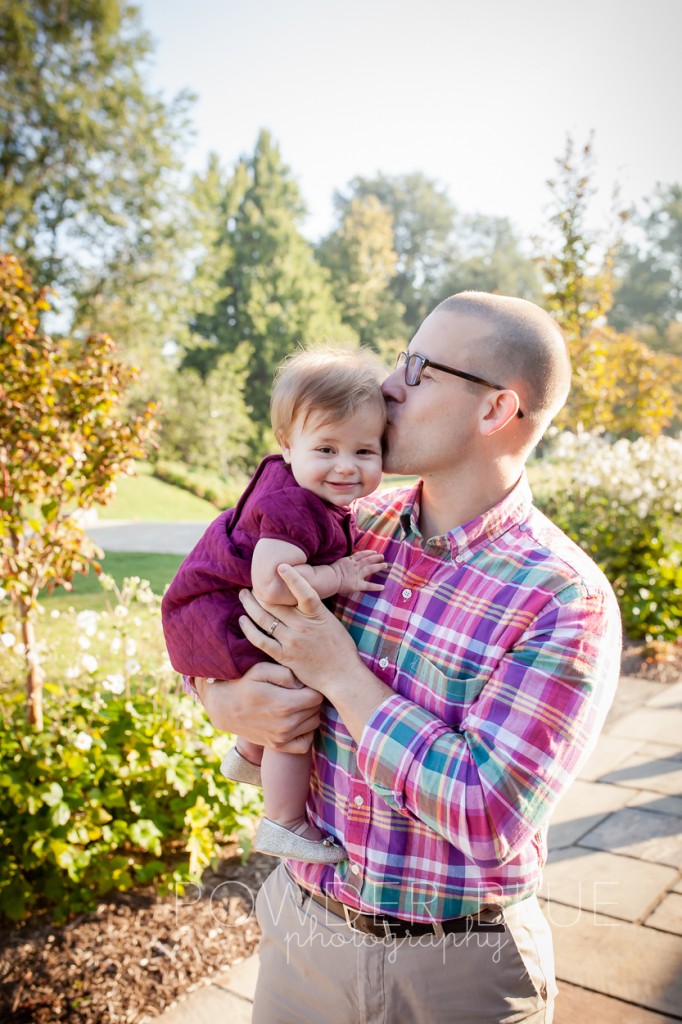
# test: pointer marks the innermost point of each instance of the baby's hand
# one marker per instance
(354, 570)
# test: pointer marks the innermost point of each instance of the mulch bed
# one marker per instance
(135, 956)
(138, 953)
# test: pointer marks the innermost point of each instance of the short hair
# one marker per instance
(525, 346)
(336, 382)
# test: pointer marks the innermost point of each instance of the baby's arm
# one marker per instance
(344, 576)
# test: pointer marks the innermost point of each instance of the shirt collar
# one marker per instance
(511, 511)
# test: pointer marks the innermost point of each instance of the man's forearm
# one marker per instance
(356, 696)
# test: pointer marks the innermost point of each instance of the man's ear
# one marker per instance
(500, 409)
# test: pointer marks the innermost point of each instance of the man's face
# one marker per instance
(433, 427)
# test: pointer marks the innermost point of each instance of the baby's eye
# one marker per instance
(326, 450)
(367, 451)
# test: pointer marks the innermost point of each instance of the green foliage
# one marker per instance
(621, 386)
(487, 255)
(117, 791)
(64, 437)
(360, 258)
(87, 152)
(579, 282)
(638, 556)
(224, 445)
(621, 502)
(122, 788)
(649, 292)
(423, 221)
(221, 493)
(262, 283)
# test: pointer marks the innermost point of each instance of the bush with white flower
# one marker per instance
(122, 787)
(621, 501)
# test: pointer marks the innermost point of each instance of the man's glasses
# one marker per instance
(415, 364)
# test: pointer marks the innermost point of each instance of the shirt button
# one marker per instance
(523, 527)
(459, 558)
(383, 663)
(358, 801)
(407, 593)
(355, 869)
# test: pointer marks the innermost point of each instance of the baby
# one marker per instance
(328, 415)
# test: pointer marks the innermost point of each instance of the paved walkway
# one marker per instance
(613, 883)
(132, 535)
(612, 886)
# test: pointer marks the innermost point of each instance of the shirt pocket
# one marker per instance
(437, 686)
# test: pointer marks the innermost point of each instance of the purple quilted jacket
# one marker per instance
(201, 609)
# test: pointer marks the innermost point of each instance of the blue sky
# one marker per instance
(477, 94)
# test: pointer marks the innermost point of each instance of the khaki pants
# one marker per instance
(315, 970)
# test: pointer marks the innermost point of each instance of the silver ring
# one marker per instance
(273, 626)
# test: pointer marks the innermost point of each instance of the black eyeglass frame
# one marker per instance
(405, 358)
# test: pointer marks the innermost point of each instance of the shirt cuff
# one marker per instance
(397, 734)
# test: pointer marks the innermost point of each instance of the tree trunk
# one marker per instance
(35, 677)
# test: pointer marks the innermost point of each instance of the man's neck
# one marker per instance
(451, 502)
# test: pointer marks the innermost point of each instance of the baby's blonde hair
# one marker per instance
(335, 382)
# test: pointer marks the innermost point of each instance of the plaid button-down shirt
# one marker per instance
(501, 641)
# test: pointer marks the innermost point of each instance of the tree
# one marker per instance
(423, 222)
(577, 262)
(621, 386)
(360, 257)
(262, 282)
(63, 441)
(488, 257)
(649, 292)
(87, 154)
(144, 299)
(225, 442)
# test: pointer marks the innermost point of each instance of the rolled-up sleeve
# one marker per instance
(488, 786)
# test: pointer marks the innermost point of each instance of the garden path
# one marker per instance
(133, 535)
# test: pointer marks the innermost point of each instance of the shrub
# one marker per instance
(221, 493)
(621, 503)
(122, 787)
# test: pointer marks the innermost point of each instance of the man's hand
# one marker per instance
(308, 639)
(354, 570)
(267, 706)
(311, 642)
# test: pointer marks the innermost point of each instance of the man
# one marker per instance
(460, 701)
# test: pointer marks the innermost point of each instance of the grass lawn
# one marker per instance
(144, 497)
(87, 592)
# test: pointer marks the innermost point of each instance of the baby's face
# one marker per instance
(337, 460)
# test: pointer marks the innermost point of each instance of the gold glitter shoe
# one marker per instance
(277, 841)
(238, 769)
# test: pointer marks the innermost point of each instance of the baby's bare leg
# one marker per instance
(286, 780)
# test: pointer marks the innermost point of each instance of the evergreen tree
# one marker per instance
(262, 282)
